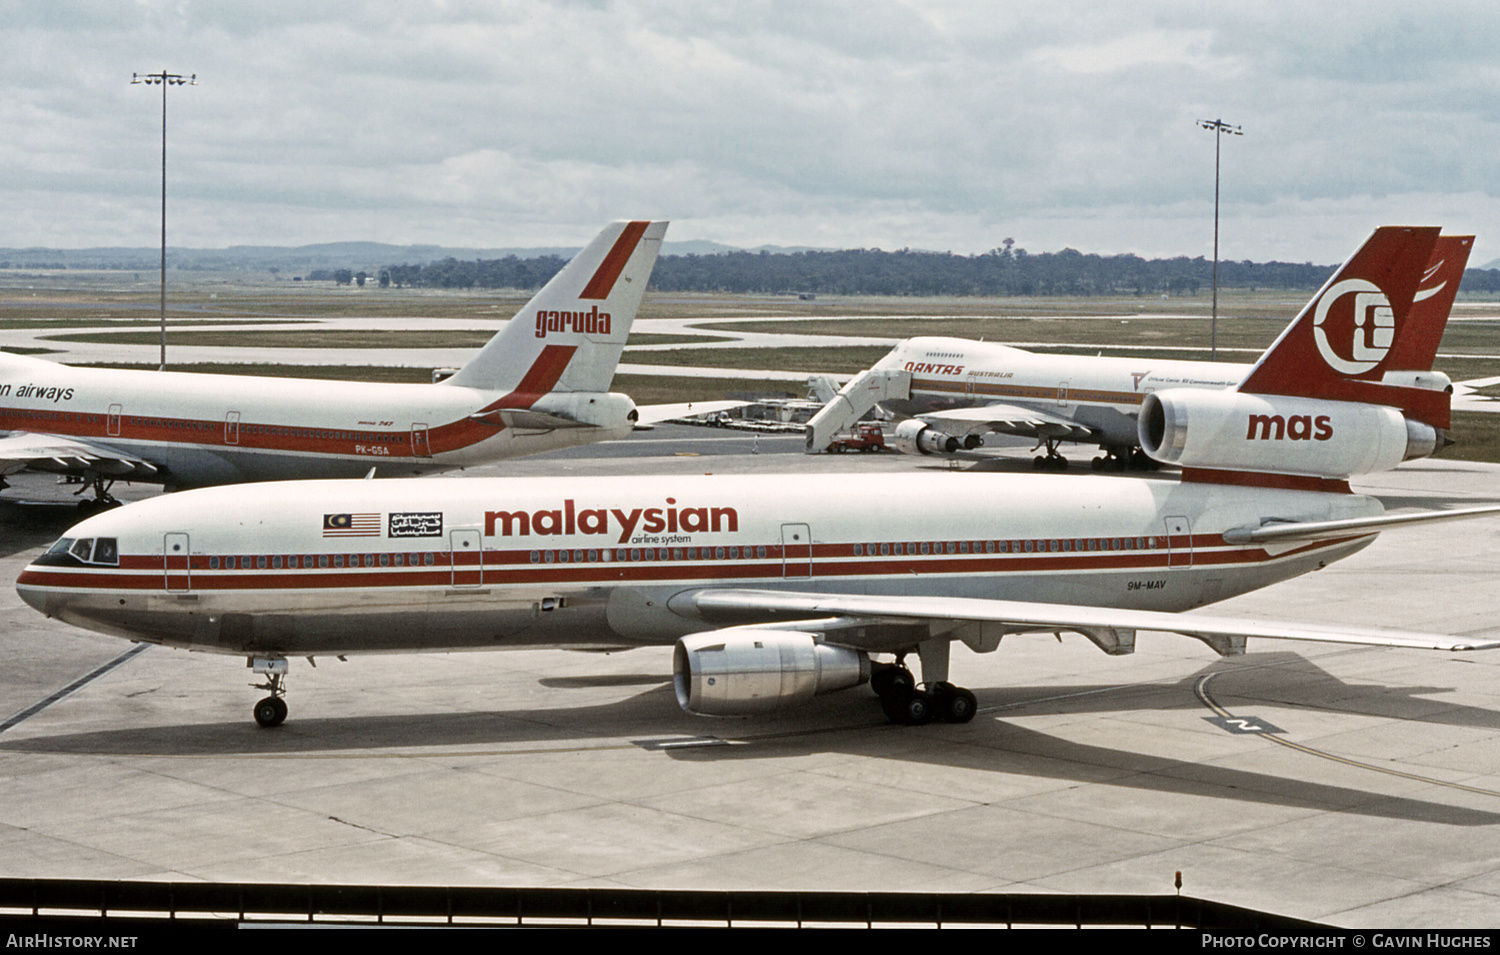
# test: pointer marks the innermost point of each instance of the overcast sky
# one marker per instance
(946, 125)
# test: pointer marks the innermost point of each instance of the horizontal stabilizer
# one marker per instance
(655, 414)
(1288, 531)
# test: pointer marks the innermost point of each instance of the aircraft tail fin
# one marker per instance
(1342, 343)
(569, 337)
(1415, 349)
(1346, 390)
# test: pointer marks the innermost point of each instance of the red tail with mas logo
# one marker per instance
(1347, 389)
(1342, 344)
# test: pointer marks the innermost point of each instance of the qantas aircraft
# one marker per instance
(776, 589)
(541, 383)
(952, 391)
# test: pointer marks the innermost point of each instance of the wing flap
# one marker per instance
(24, 450)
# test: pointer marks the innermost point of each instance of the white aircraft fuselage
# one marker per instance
(203, 429)
(779, 588)
(1100, 393)
(441, 564)
(952, 391)
(540, 383)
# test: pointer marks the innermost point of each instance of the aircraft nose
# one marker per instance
(34, 595)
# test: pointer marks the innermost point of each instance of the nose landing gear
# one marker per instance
(272, 710)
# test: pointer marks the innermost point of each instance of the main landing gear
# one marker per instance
(1124, 459)
(903, 701)
(102, 499)
(1052, 460)
(271, 711)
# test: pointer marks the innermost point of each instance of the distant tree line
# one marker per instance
(509, 272)
(1001, 272)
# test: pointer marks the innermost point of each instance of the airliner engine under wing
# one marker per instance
(956, 390)
(542, 382)
(778, 588)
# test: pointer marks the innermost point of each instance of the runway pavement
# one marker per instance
(1375, 801)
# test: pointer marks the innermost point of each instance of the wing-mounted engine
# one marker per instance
(915, 436)
(1427, 380)
(742, 672)
(1233, 430)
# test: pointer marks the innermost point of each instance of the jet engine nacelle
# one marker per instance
(744, 672)
(914, 436)
(1429, 380)
(1237, 431)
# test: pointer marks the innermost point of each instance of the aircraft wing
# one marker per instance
(1007, 419)
(23, 450)
(655, 414)
(854, 614)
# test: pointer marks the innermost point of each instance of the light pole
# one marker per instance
(1220, 130)
(164, 80)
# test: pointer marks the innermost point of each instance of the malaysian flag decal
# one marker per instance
(351, 525)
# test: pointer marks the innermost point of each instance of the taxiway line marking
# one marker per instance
(1201, 689)
(73, 687)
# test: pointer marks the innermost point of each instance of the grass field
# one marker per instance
(337, 339)
(1168, 328)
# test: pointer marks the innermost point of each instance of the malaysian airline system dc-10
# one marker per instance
(775, 589)
(950, 392)
(541, 383)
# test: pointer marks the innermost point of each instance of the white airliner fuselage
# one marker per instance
(1101, 394)
(442, 564)
(952, 391)
(541, 383)
(779, 588)
(214, 429)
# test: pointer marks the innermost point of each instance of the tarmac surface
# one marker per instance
(1356, 786)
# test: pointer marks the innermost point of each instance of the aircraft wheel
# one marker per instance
(885, 677)
(908, 706)
(270, 711)
(959, 706)
(917, 708)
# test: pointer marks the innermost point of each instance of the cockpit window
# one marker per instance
(106, 551)
(84, 550)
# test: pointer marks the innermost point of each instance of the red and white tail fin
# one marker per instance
(1341, 345)
(1415, 349)
(1337, 394)
(569, 337)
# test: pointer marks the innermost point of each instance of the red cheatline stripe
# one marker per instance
(1288, 482)
(540, 378)
(609, 271)
(519, 570)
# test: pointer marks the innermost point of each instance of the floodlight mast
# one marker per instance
(1220, 129)
(164, 80)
